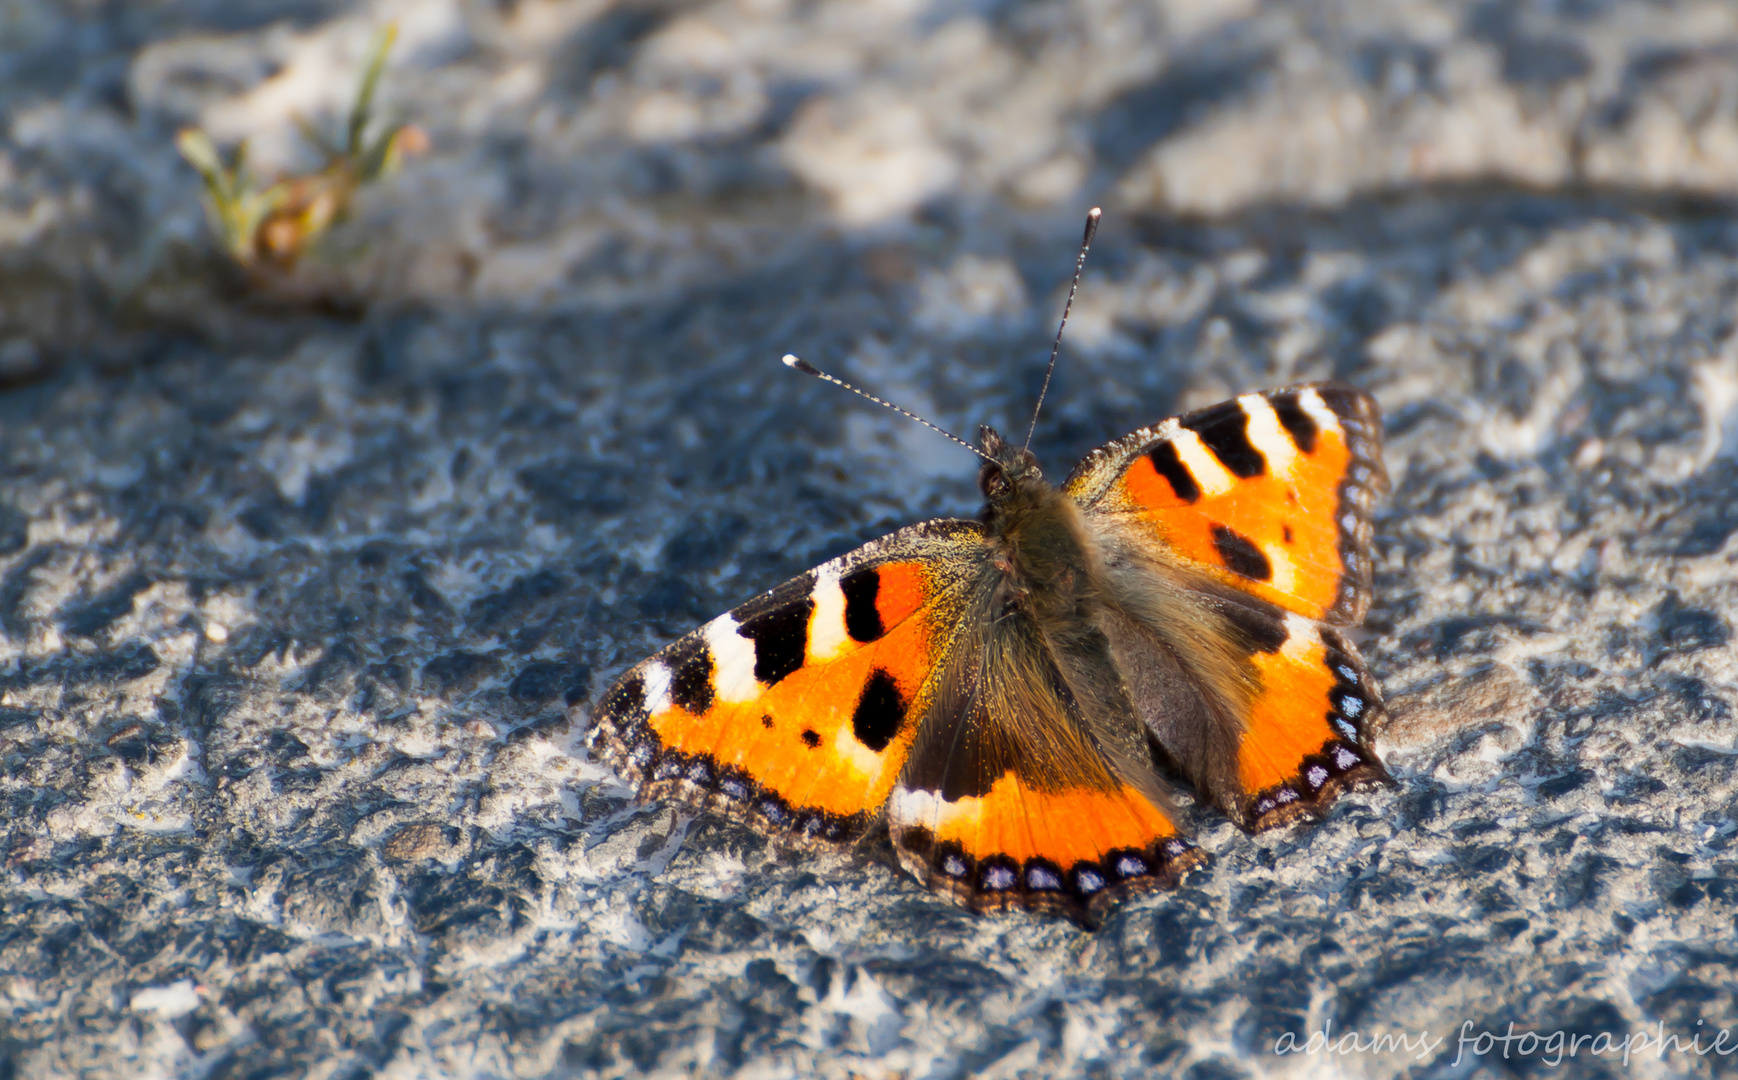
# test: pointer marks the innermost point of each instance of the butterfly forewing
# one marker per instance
(1270, 492)
(797, 709)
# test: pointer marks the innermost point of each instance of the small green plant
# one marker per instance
(273, 226)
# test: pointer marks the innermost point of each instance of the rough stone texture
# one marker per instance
(294, 598)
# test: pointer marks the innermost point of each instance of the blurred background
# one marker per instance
(318, 536)
(589, 157)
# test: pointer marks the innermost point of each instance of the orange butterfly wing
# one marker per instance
(1271, 493)
(1306, 734)
(1071, 852)
(796, 710)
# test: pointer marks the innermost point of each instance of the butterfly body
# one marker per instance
(1012, 695)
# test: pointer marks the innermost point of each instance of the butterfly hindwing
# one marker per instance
(1270, 492)
(796, 710)
(1271, 722)
(1306, 735)
(1026, 786)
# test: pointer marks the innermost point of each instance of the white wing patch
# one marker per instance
(1210, 476)
(657, 683)
(1300, 638)
(910, 807)
(1266, 435)
(1282, 571)
(732, 661)
(1319, 412)
(827, 637)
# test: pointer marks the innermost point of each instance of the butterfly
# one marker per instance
(1014, 695)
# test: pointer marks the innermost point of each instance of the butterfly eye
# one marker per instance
(996, 483)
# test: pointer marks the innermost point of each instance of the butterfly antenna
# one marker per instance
(798, 364)
(1092, 217)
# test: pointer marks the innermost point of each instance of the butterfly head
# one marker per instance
(1009, 470)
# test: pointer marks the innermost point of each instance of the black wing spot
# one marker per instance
(811, 738)
(968, 778)
(1240, 554)
(1227, 435)
(765, 721)
(780, 639)
(691, 683)
(880, 712)
(862, 617)
(1168, 465)
(916, 839)
(627, 699)
(1287, 533)
(1295, 420)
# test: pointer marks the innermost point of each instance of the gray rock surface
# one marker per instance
(294, 597)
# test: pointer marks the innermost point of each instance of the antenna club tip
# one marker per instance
(797, 363)
(1092, 217)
